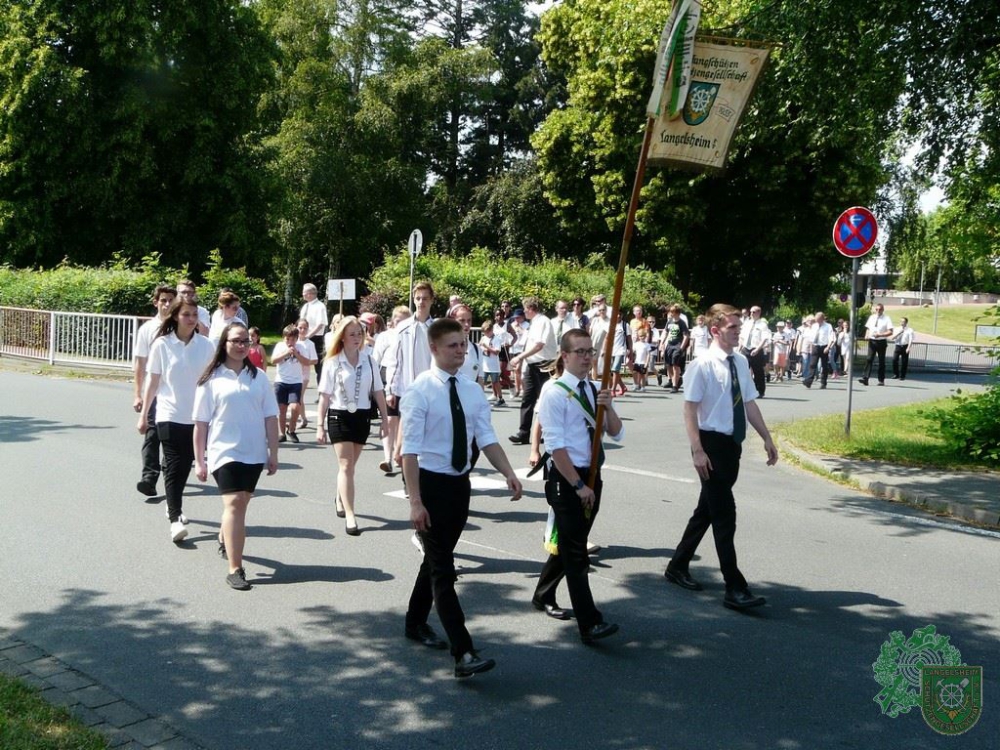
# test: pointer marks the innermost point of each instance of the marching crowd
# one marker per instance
(203, 397)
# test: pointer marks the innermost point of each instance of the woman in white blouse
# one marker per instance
(236, 427)
(348, 385)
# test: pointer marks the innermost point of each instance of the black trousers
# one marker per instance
(178, 456)
(151, 448)
(820, 359)
(757, 363)
(716, 508)
(876, 348)
(900, 362)
(534, 379)
(446, 499)
(320, 353)
(572, 562)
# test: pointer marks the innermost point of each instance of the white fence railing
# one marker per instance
(86, 339)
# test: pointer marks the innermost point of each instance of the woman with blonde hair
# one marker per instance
(348, 385)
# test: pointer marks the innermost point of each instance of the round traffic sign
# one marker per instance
(855, 232)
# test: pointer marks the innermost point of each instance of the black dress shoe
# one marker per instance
(553, 610)
(426, 636)
(471, 663)
(684, 580)
(352, 530)
(742, 599)
(598, 631)
(863, 381)
(519, 439)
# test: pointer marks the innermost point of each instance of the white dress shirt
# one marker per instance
(314, 313)
(425, 413)
(707, 382)
(904, 337)
(235, 406)
(345, 383)
(878, 324)
(541, 329)
(564, 421)
(822, 335)
(179, 366)
(408, 356)
(472, 368)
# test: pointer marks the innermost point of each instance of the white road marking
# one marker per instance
(644, 473)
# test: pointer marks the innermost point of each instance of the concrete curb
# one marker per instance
(869, 482)
(123, 724)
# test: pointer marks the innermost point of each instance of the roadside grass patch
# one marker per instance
(27, 722)
(955, 322)
(905, 435)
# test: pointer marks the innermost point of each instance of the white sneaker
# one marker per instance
(182, 518)
(177, 531)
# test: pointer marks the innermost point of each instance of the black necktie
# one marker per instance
(459, 439)
(739, 413)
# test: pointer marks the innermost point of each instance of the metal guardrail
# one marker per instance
(963, 358)
(87, 339)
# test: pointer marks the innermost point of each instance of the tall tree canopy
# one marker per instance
(130, 126)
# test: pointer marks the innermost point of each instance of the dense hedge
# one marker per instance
(119, 289)
(483, 280)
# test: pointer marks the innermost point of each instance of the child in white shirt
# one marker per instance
(289, 357)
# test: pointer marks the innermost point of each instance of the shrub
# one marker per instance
(973, 426)
(483, 280)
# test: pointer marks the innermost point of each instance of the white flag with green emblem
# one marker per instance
(673, 59)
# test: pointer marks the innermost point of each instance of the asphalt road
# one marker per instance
(314, 657)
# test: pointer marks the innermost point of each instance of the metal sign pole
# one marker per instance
(341, 299)
(850, 345)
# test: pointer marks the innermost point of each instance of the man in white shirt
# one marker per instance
(567, 416)
(539, 349)
(188, 292)
(878, 332)
(315, 314)
(755, 336)
(163, 298)
(564, 320)
(822, 340)
(901, 354)
(442, 413)
(409, 355)
(719, 402)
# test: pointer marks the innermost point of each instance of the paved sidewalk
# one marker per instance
(965, 495)
(124, 725)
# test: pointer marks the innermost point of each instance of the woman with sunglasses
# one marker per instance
(236, 428)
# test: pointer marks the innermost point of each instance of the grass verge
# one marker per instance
(28, 722)
(902, 435)
(955, 322)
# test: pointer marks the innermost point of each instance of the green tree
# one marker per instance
(131, 127)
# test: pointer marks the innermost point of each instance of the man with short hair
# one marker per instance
(719, 402)
(822, 340)
(901, 354)
(539, 349)
(673, 346)
(409, 355)
(163, 299)
(878, 331)
(567, 405)
(442, 413)
(315, 314)
(188, 292)
(564, 320)
(755, 335)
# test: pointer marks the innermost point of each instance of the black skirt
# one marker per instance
(344, 427)
(237, 477)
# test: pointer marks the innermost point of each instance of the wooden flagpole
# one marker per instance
(633, 206)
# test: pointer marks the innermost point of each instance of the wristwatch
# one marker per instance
(580, 484)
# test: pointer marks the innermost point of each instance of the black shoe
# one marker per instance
(283, 439)
(881, 382)
(339, 509)
(519, 439)
(293, 437)
(807, 383)
(352, 530)
(238, 580)
(222, 551)
(553, 610)
(742, 599)
(684, 580)
(863, 381)
(598, 631)
(426, 636)
(471, 663)
(822, 387)
(146, 487)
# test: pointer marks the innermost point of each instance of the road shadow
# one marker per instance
(19, 429)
